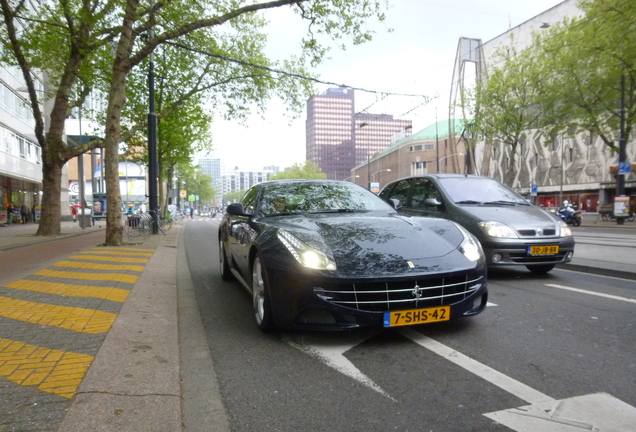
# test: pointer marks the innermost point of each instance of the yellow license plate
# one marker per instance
(416, 316)
(543, 250)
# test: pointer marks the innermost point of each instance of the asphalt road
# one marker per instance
(561, 345)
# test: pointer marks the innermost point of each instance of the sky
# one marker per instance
(416, 58)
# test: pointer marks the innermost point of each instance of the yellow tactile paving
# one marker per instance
(118, 277)
(52, 371)
(70, 318)
(96, 266)
(69, 290)
(110, 252)
(112, 259)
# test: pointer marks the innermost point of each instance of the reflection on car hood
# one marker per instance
(382, 245)
(512, 215)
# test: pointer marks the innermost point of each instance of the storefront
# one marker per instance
(14, 193)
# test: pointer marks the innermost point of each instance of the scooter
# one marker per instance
(570, 216)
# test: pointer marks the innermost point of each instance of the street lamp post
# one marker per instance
(387, 170)
(356, 176)
(454, 154)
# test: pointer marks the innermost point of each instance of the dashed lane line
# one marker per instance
(111, 259)
(69, 290)
(117, 277)
(95, 266)
(52, 371)
(69, 318)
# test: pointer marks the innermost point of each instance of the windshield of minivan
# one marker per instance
(479, 190)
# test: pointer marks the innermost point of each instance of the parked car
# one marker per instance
(510, 229)
(331, 255)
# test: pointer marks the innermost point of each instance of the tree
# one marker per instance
(234, 196)
(308, 170)
(505, 104)
(582, 62)
(96, 45)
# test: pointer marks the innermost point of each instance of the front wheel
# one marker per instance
(260, 297)
(540, 269)
(605, 216)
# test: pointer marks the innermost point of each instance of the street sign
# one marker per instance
(375, 187)
(624, 168)
(535, 189)
(183, 193)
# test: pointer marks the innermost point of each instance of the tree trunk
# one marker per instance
(51, 197)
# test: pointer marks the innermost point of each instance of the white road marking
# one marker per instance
(595, 412)
(491, 304)
(331, 352)
(609, 296)
(502, 381)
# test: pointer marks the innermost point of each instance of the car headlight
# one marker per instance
(305, 255)
(498, 229)
(565, 229)
(470, 246)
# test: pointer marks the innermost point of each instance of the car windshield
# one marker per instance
(317, 197)
(471, 190)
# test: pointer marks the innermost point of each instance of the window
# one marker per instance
(422, 190)
(418, 168)
(249, 199)
(401, 191)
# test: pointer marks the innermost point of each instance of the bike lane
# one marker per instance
(53, 322)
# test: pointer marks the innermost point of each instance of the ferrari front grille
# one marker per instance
(403, 294)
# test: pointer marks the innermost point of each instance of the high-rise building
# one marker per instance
(337, 138)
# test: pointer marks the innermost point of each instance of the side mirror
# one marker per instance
(432, 202)
(236, 209)
(395, 203)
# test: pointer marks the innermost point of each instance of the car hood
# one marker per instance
(515, 216)
(363, 246)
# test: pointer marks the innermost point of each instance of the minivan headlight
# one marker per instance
(305, 255)
(565, 229)
(498, 229)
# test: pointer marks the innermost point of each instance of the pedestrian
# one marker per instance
(9, 213)
(74, 213)
(24, 213)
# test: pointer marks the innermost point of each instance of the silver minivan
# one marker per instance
(511, 230)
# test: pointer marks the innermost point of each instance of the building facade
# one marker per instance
(415, 154)
(20, 154)
(580, 169)
(241, 181)
(337, 138)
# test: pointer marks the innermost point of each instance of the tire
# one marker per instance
(226, 273)
(540, 269)
(605, 216)
(577, 222)
(631, 217)
(260, 297)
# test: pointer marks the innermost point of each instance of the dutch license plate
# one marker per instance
(543, 250)
(416, 316)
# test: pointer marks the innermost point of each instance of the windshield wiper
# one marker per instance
(343, 210)
(503, 202)
(468, 202)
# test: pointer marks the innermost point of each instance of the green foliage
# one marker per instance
(582, 61)
(211, 49)
(308, 170)
(235, 196)
(505, 105)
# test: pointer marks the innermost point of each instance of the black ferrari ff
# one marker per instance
(331, 255)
